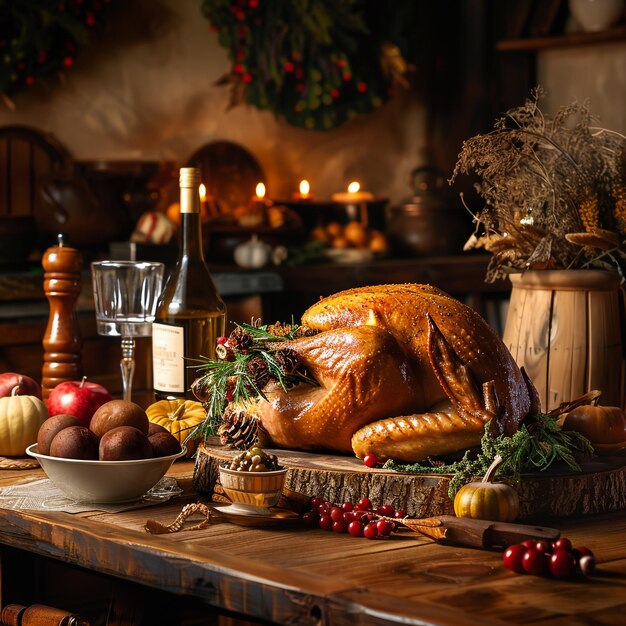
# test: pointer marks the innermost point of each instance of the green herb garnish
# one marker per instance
(530, 449)
(253, 356)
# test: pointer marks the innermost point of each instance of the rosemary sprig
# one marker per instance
(530, 449)
(233, 380)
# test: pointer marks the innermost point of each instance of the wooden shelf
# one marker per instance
(571, 40)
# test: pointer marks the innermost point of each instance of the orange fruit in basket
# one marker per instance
(356, 234)
(334, 229)
(339, 243)
(319, 234)
(377, 241)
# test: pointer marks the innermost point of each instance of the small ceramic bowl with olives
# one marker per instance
(253, 481)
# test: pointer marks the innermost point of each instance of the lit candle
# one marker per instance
(353, 195)
(202, 191)
(304, 192)
(260, 192)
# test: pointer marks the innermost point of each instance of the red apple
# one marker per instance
(77, 398)
(27, 386)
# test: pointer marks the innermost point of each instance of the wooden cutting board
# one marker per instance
(599, 488)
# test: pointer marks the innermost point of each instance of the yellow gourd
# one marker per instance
(487, 500)
(20, 419)
(179, 417)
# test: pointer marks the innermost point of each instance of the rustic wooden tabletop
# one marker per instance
(297, 575)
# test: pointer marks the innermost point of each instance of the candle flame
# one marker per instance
(260, 190)
(353, 187)
(202, 190)
(305, 187)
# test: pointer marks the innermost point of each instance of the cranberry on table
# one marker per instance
(534, 562)
(582, 551)
(347, 506)
(310, 518)
(355, 529)
(326, 522)
(544, 546)
(529, 543)
(400, 513)
(370, 531)
(512, 558)
(349, 517)
(384, 527)
(562, 564)
(364, 504)
(336, 514)
(587, 564)
(370, 460)
(386, 509)
(339, 526)
(316, 502)
(562, 544)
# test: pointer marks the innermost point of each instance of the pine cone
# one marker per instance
(241, 428)
(259, 372)
(240, 340)
(287, 359)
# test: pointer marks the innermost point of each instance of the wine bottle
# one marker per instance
(190, 314)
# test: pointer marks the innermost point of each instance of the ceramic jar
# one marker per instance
(253, 253)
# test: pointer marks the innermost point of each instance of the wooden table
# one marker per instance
(308, 576)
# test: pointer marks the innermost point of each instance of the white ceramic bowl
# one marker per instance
(104, 481)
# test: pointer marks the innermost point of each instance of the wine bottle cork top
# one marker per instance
(189, 177)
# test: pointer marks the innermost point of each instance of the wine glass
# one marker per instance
(125, 295)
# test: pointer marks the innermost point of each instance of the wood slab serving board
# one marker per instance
(599, 488)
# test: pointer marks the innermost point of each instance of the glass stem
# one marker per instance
(127, 365)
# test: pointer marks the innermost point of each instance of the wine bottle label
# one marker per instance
(168, 363)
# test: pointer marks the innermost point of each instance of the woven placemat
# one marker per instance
(17, 464)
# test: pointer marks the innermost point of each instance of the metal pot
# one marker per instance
(429, 223)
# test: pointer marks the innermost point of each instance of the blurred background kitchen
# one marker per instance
(103, 101)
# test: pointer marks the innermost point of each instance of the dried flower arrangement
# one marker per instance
(554, 191)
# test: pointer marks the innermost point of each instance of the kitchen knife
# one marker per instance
(488, 534)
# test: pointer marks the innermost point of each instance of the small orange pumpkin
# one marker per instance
(604, 426)
(179, 417)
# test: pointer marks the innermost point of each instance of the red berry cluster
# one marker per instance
(358, 520)
(558, 559)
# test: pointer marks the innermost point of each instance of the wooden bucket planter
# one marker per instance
(599, 488)
(566, 328)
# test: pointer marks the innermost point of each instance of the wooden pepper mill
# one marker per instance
(61, 342)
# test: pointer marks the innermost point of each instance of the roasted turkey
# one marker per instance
(404, 371)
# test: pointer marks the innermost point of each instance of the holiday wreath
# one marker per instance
(40, 38)
(318, 63)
